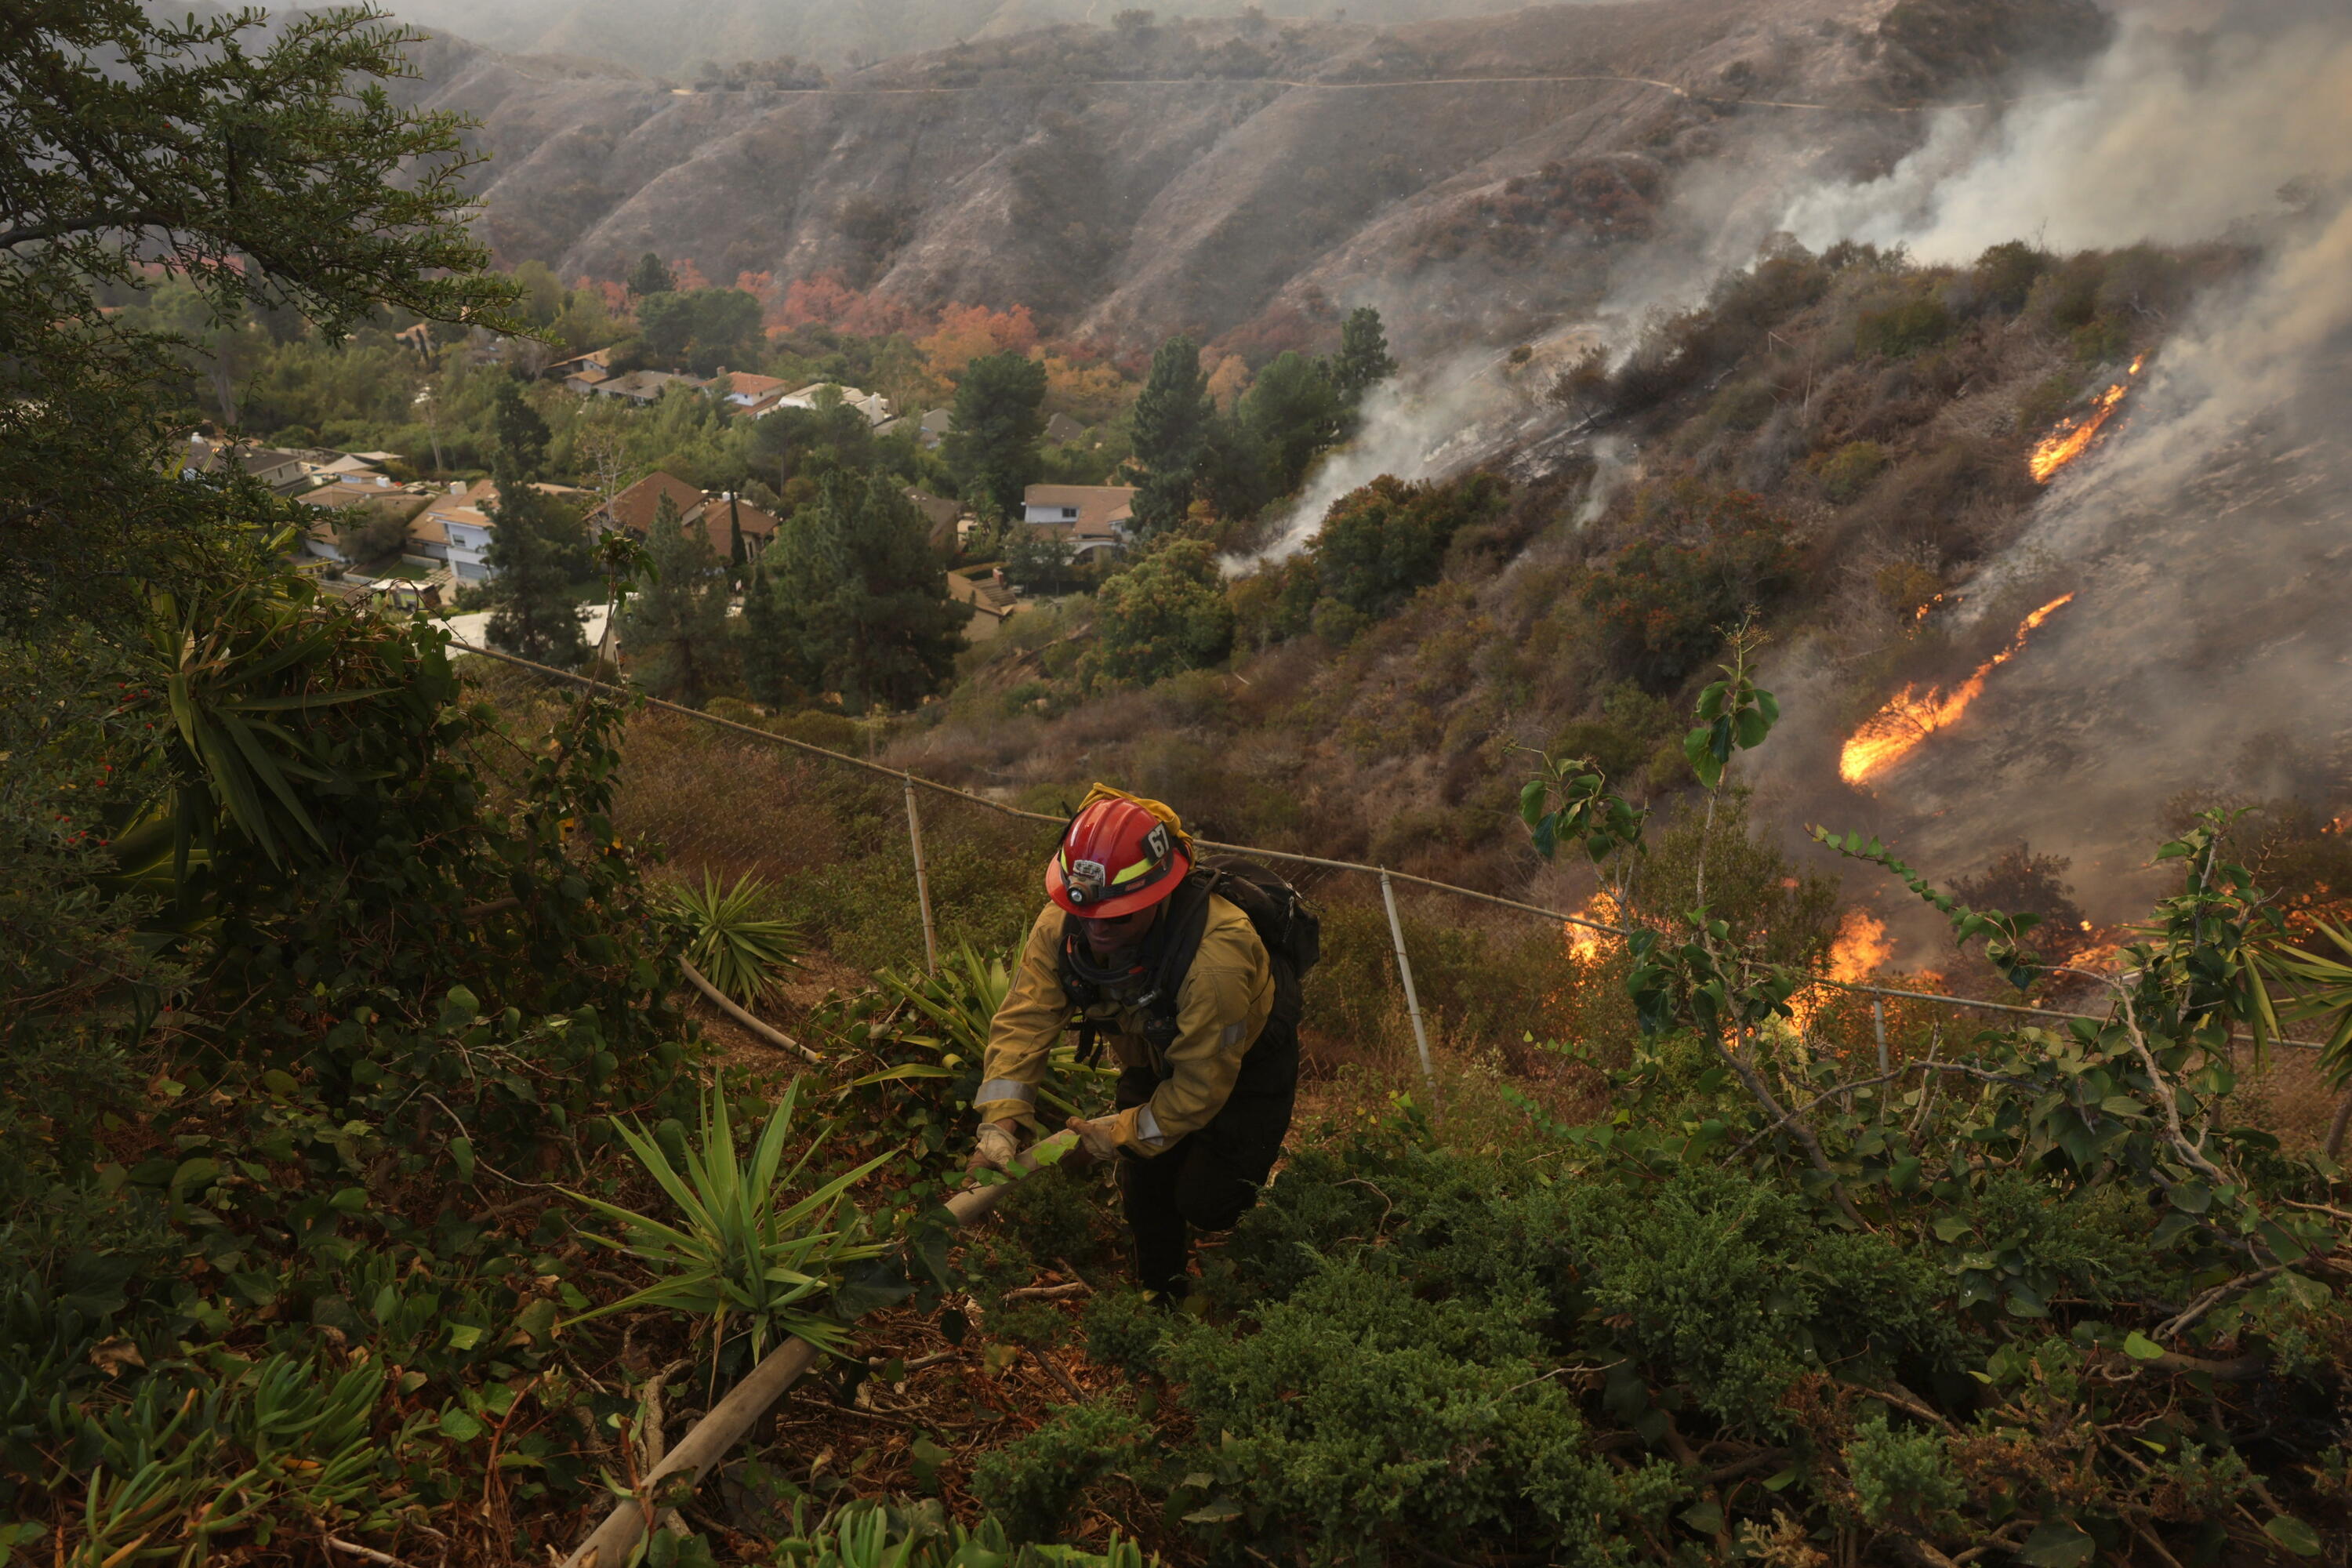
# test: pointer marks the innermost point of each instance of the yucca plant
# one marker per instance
(739, 947)
(741, 1250)
(960, 1003)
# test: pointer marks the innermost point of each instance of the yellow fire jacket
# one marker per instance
(1221, 1008)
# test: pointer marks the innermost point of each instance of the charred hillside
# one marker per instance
(1234, 176)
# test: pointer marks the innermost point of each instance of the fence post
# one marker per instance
(1411, 1000)
(922, 881)
(1878, 1022)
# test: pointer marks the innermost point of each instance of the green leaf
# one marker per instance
(2192, 1197)
(457, 1424)
(1704, 1516)
(1782, 1481)
(2058, 1544)
(1952, 1227)
(536, 1322)
(465, 1336)
(1217, 1511)
(926, 1457)
(2140, 1347)
(2293, 1535)
(461, 1154)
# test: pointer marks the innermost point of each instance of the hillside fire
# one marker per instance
(2074, 437)
(1911, 715)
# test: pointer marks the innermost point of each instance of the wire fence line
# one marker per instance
(911, 781)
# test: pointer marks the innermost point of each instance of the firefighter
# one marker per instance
(1165, 961)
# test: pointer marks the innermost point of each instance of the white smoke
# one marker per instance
(1426, 422)
(2172, 139)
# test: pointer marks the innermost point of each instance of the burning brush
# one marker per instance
(2074, 436)
(1912, 715)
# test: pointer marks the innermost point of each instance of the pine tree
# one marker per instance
(999, 422)
(767, 643)
(522, 435)
(533, 614)
(1363, 361)
(1296, 412)
(649, 277)
(864, 598)
(673, 629)
(1172, 419)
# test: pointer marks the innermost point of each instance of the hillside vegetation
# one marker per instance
(386, 1189)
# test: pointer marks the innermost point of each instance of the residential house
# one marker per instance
(327, 465)
(1061, 429)
(582, 374)
(990, 597)
(633, 510)
(942, 513)
(723, 515)
(872, 405)
(935, 426)
(1088, 518)
(457, 527)
(745, 395)
(338, 497)
(281, 471)
(642, 386)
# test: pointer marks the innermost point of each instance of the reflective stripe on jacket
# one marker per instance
(1221, 1008)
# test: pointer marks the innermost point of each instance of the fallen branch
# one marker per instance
(1048, 1292)
(383, 1558)
(760, 1031)
(715, 1434)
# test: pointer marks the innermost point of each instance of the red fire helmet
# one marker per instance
(1115, 857)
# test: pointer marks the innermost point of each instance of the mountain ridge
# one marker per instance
(1229, 176)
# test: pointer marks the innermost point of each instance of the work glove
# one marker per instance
(1098, 1139)
(993, 1149)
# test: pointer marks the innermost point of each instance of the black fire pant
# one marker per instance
(1208, 1179)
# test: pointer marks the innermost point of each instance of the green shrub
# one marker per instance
(1743, 405)
(2005, 274)
(1382, 543)
(1622, 741)
(816, 727)
(1034, 1482)
(1167, 614)
(2043, 407)
(1126, 1331)
(1901, 1476)
(1902, 331)
(1851, 469)
(1701, 559)
(1359, 1416)
(2100, 341)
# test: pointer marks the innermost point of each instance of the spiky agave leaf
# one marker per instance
(739, 949)
(738, 1250)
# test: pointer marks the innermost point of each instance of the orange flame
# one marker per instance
(1911, 715)
(1586, 945)
(1861, 949)
(2074, 437)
